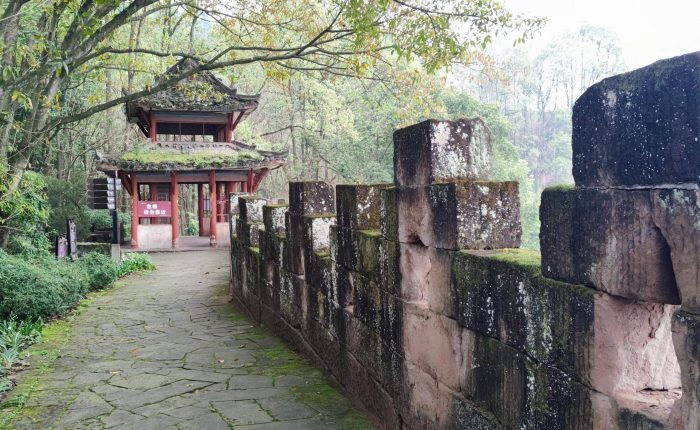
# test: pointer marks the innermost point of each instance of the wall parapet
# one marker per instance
(414, 298)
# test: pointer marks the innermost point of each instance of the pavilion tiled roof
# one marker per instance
(189, 156)
(202, 92)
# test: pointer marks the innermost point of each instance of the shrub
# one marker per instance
(100, 270)
(135, 262)
(33, 289)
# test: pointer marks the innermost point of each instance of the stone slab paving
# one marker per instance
(165, 350)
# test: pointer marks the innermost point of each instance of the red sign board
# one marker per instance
(154, 210)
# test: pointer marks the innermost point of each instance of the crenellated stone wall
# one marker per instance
(414, 298)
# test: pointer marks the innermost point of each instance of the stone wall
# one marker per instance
(415, 299)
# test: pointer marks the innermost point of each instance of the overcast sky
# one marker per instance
(648, 29)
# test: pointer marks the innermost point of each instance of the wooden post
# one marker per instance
(175, 220)
(134, 212)
(152, 126)
(244, 187)
(153, 190)
(200, 208)
(229, 127)
(250, 189)
(212, 211)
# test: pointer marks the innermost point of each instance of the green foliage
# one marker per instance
(101, 271)
(42, 287)
(135, 262)
(14, 337)
(25, 213)
(67, 199)
(192, 224)
(100, 219)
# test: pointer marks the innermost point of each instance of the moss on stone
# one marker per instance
(163, 159)
(560, 187)
(521, 257)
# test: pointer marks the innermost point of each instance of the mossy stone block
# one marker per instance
(441, 151)
(358, 206)
(640, 127)
(503, 295)
(308, 198)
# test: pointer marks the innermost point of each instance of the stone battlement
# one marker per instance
(415, 299)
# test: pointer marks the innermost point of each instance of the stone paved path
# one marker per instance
(165, 350)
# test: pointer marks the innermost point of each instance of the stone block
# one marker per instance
(274, 219)
(519, 391)
(676, 213)
(233, 202)
(317, 230)
(295, 230)
(442, 151)
(367, 303)
(368, 253)
(251, 233)
(432, 343)
(606, 239)
(293, 299)
(467, 215)
(344, 247)
(610, 343)
(500, 294)
(358, 206)
(251, 209)
(389, 214)
(686, 339)
(310, 198)
(466, 415)
(641, 127)
(425, 277)
(389, 266)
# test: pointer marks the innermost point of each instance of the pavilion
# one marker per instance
(190, 129)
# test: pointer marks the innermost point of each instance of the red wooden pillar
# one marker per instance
(250, 189)
(244, 187)
(227, 199)
(134, 212)
(200, 208)
(175, 217)
(212, 210)
(152, 126)
(153, 190)
(229, 127)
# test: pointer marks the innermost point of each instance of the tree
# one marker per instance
(52, 48)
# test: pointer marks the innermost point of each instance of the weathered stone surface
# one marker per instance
(440, 151)
(466, 215)
(432, 342)
(612, 344)
(521, 393)
(317, 230)
(631, 349)
(686, 339)
(251, 233)
(309, 198)
(606, 239)
(274, 218)
(358, 206)
(251, 209)
(501, 294)
(425, 277)
(641, 127)
(295, 232)
(677, 214)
